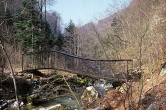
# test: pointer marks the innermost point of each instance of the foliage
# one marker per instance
(23, 87)
(60, 41)
(84, 80)
(70, 28)
(31, 32)
(71, 38)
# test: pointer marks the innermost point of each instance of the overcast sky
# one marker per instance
(84, 11)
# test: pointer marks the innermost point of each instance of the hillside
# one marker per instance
(136, 32)
(121, 34)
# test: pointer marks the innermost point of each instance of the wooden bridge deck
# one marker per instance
(112, 70)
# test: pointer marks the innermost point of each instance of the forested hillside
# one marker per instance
(63, 60)
(26, 26)
(136, 32)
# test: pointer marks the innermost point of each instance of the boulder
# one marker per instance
(102, 85)
(100, 89)
(3, 105)
(100, 82)
(15, 105)
(90, 94)
(108, 86)
(152, 107)
(163, 72)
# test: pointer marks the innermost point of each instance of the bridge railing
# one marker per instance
(75, 64)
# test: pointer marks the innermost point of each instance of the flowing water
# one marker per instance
(66, 100)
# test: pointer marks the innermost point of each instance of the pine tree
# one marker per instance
(71, 39)
(30, 32)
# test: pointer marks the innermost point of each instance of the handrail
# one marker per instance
(75, 56)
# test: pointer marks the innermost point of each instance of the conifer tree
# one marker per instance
(30, 32)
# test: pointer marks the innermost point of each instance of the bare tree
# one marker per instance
(100, 40)
(12, 73)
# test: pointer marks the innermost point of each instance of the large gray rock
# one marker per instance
(100, 89)
(3, 105)
(15, 105)
(108, 86)
(101, 85)
(90, 94)
(152, 107)
(163, 72)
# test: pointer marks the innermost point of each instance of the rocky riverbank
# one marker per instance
(58, 90)
(38, 89)
(43, 88)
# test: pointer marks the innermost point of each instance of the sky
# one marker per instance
(84, 11)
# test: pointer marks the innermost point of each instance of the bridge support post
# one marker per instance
(127, 67)
(65, 63)
(22, 65)
(48, 60)
(100, 68)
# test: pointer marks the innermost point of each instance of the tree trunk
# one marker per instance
(12, 73)
(45, 18)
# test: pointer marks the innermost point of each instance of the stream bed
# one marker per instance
(65, 101)
(52, 90)
(69, 101)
